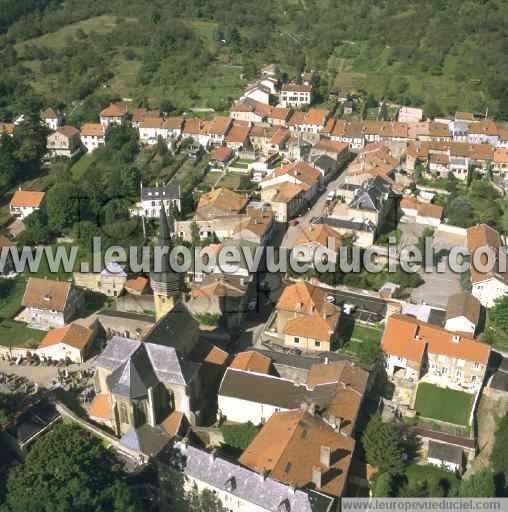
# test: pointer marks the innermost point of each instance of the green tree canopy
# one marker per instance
(69, 470)
(382, 446)
(479, 485)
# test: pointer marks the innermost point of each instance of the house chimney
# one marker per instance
(456, 338)
(317, 477)
(325, 454)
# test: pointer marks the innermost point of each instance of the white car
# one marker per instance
(349, 308)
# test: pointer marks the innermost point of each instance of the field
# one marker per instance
(443, 404)
(81, 166)
(58, 39)
(190, 175)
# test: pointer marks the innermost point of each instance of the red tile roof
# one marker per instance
(406, 337)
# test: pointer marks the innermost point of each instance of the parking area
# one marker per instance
(437, 288)
(367, 308)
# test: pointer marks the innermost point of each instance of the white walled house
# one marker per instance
(487, 287)
(65, 141)
(49, 304)
(71, 342)
(152, 199)
(51, 118)
(93, 135)
(25, 202)
(257, 93)
(251, 396)
(115, 114)
(295, 95)
(414, 350)
(151, 129)
(463, 313)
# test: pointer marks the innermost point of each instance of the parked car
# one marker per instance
(349, 308)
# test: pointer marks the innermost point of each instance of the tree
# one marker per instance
(383, 487)
(432, 109)
(499, 456)
(7, 161)
(64, 206)
(479, 485)
(499, 314)
(37, 230)
(69, 470)
(382, 446)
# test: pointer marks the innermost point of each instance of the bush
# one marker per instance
(239, 436)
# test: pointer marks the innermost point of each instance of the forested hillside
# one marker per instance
(442, 54)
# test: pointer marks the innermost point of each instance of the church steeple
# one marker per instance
(166, 284)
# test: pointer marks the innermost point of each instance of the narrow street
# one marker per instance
(316, 210)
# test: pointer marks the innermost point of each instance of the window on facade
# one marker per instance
(317, 343)
(297, 340)
(124, 413)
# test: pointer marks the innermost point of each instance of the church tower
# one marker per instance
(166, 284)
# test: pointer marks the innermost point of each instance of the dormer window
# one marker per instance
(230, 484)
(284, 506)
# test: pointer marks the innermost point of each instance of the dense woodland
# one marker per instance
(442, 54)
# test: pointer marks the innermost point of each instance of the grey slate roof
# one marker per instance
(326, 163)
(117, 351)
(137, 366)
(159, 193)
(346, 224)
(146, 439)
(274, 391)
(134, 377)
(372, 195)
(445, 452)
(247, 485)
(176, 329)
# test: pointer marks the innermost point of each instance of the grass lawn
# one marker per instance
(237, 437)
(62, 275)
(443, 404)
(360, 341)
(58, 39)
(231, 181)
(82, 165)
(17, 334)
(366, 333)
(190, 175)
(438, 481)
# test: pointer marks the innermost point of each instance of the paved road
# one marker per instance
(317, 210)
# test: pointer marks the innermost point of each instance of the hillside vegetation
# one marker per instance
(443, 54)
